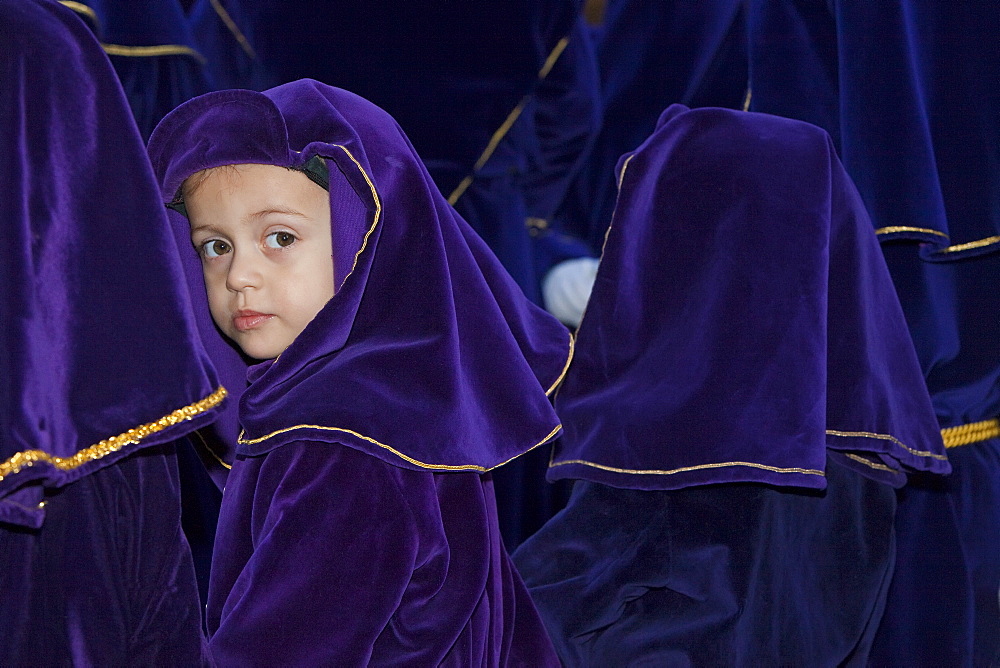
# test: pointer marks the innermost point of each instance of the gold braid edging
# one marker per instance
(28, 458)
(974, 432)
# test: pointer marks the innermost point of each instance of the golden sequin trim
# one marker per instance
(886, 437)
(29, 458)
(685, 469)
(150, 51)
(508, 122)
(974, 432)
(233, 28)
(439, 467)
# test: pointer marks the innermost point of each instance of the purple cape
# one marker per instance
(743, 320)
(446, 363)
(102, 357)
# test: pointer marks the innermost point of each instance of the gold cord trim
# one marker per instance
(569, 360)
(685, 469)
(233, 28)
(29, 458)
(621, 178)
(439, 467)
(500, 134)
(550, 62)
(378, 207)
(956, 248)
(488, 151)
(974, 432)
(505, 127)
(83, 10)
(149, 51)
(459, 190)
(988, 241)
(205, 444)
(903, 228)
(869, 463)
(746, 100)
(887, 437)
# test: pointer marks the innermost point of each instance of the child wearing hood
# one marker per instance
(392, 363)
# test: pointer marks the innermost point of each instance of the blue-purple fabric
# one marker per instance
(909, 92)
(448, 73)
(152, 48)
(743, 321)
(102, 355)
(103, 368)
(445, 362)
(740, 574)
(108, 579)
(651, 54)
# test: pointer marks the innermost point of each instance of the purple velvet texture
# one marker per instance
(96, 324)
(429, 356)
(742, 322)
(312, 568)
(356, 526)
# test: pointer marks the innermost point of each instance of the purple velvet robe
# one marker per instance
(103, 368)
(743, 320)
(362, 443)
(744, 395)
(909, 91)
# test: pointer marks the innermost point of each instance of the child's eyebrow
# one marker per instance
(257, 215)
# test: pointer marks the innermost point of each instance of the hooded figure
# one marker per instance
(908, 90)
(103, 367)
(358, 523)
(743, 399)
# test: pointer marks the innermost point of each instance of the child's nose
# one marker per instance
(244, 271)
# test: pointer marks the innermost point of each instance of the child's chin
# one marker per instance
(260, 350)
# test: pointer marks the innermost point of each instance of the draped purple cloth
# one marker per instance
(426, 328)
(359, 466)
(909, 92)
(328, 557)
(103, 368)
(742, 322)
(152, 48)
(96, 322)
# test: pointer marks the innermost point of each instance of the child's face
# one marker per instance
(263, 233)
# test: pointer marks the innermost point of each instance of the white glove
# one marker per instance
(566, 288)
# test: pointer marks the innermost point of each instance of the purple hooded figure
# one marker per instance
(103, 369)
(400, 364)
(743, 400)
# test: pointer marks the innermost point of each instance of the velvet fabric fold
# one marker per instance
(103, 358)
(407, 568)
(743, 321)
(908, 91)
(915, 123)
(152, 48)
(429, 356)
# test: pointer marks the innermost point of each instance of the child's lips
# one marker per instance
(245, 320)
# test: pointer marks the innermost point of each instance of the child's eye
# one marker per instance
(215, 248)
(279, 239)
